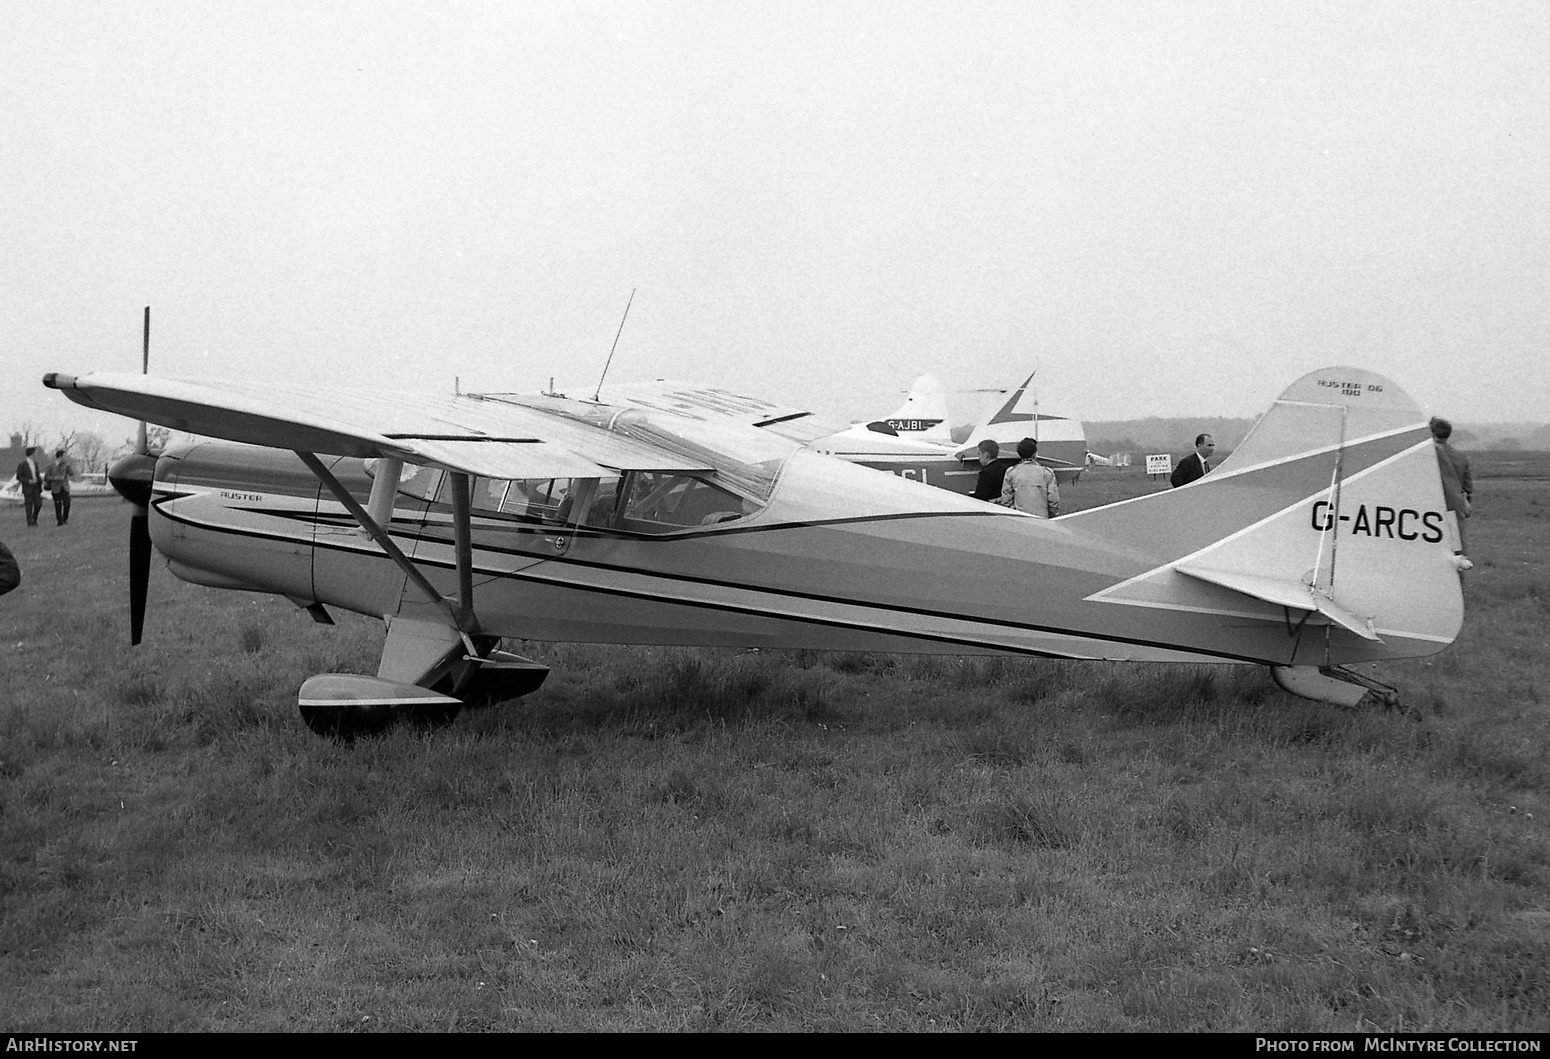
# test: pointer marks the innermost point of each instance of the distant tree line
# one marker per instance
(1157, 435)
(1177, 436)
(91, 451)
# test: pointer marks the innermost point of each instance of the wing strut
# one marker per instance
(463, 539)
(460, 611)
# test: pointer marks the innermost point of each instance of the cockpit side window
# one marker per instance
(590, 502)
(532, 498)
(661, 502)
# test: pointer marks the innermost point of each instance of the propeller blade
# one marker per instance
(132, 476)
(139, 571)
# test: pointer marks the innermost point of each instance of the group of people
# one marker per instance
(1024, 483)
(56, 478)
(1028, 485)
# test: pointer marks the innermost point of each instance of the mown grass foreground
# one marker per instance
(673, 839)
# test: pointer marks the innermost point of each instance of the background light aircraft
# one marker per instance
(672, 515)
(916, 441)
(922, 417)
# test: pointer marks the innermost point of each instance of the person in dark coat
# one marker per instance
(1458, 484)
(992, 472)
(1196, 465)
(31, 476)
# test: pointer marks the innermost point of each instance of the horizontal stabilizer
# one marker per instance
(1282, 593)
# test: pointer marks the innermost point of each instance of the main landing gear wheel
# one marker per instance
(347, 706)
(430, 718)
(350, 721)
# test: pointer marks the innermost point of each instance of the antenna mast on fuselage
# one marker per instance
(610, 360)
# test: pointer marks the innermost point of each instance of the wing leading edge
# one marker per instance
(453, 433)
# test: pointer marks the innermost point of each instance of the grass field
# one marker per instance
(669, 839)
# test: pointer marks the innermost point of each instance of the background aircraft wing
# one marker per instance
(466, 433)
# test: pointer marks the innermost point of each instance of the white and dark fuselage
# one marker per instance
(835, 557)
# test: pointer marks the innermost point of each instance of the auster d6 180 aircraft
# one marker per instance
(673, 515)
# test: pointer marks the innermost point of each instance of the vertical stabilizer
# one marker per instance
(1062, 440)
(923, 415)
(1329, 517)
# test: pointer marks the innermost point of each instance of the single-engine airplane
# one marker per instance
(916, 442)
(673, 515)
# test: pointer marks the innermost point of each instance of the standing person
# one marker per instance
(1197, 464)
(57, 479)
(1458, 485)
(10, 570)
(31, 477)
(1030, 486)
(992, 471)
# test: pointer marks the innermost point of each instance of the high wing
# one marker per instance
(489, 436)
(685, 399)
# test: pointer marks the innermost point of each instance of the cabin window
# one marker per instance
(419, 483)
(589, 502)
(524, 498)
(663, 502)
(489, 494)
(646, 502)
(650, 502)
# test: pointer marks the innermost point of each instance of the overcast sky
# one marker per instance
(1166, 208)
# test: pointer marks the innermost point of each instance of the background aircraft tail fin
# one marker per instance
(923, 414)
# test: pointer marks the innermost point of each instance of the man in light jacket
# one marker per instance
(1030, 486)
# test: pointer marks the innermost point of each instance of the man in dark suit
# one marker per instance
(31, 476)
(1196, 464)
(992, 472)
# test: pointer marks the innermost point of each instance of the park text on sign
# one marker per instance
(1159, 464)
